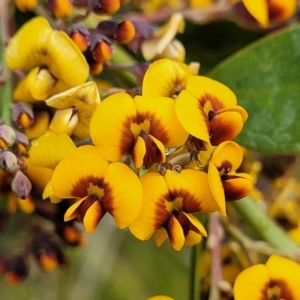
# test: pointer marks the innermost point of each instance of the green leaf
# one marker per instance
(266, 79)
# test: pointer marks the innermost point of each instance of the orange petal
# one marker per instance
(175, 233)
(93, 216)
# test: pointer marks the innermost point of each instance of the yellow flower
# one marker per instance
(36, 44)
(224, 182)
(25, 5)
(168, 204)
(142, 127)
(85, 98)
(208, 110)
(162, 38)
(160, 297)
(270, 11)
(99, 187)
(277, 279)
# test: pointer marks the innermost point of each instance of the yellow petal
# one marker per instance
(175, 233)
(195, 222)
(72, 212)
(93, 216)
(209, 90)
(49, 149)
(259, 10)
(84, 97)
(162, 37)
(79, 172)
(237, 186)
(110, 126)
(40, 125)
(191, 116)
(160, 297)
(172, 77)
(225, 126)
(160, 236)
(216, 187)
(286, 272)
(251, 283)
(49, 193)
(139, 152)
(280, 11)
(154, 213)
(123, 199)
(193, 188)
(164, 124)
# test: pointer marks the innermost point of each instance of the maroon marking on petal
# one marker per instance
(189, 203)
(195, 144)
(80, 188)
(215, 102)
(225, 168)
(127, 138)
(285, 292)
(276, 12)
(235, 191)
(185, 223)
(153, 154)
(161, 215)
(222, 130)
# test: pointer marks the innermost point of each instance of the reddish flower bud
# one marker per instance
(7, 137)
(26, 5)
(15, 269)
(81, 36)
(60, 9)
(47, 253)
(104, 6)
(69, 234)
(8, 161)
(101, 48)
(22, 143)
(108, 28)
(21, 185)
(22, 115)
(125, 32)
(95, 67)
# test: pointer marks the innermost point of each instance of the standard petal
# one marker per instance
(212, 94)
(216, 187)
(250, 283)
(227, 155)
(192, 188)
(110, 126)
(154, 213)
(164, 78)
(123, 194)
(225, 126)
(192, 116)
(49, 149)
(286, 274)
(79, 173)
(164, 124)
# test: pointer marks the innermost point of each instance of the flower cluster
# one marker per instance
(152, 160)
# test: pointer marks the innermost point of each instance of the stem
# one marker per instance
(264, 225)
(195, 290)
(6, 87)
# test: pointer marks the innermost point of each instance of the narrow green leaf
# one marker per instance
(266, 79)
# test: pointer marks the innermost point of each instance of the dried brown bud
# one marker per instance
(7, 137)
(8, 161)
(21, 185)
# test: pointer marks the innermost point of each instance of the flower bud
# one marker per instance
(95, 67)
(22, 115)
(125, 32)
(15, 269)
(60, 9)
(69, 234)
(7, 137)
(108, 28)
(26, 5)
(22, 143)
(21, 185)
(8, 161)
(104, 6)
(48, 254)
(64, 121)
(175, 51)
(101, 48)
(81, 36)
